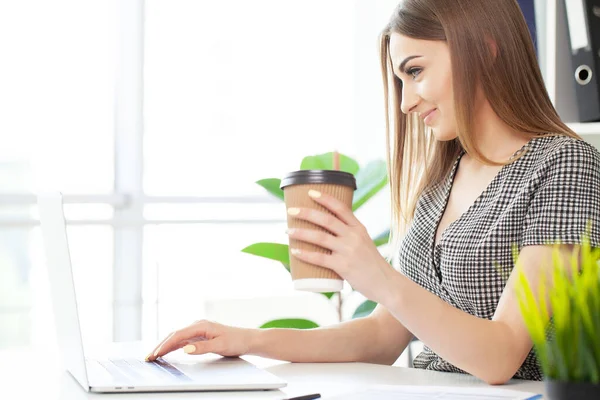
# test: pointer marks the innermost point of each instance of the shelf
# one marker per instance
(556, 64)
(585, 128)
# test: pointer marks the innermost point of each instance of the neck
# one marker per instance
(494, 139)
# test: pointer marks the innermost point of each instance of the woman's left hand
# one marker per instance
(353, 256)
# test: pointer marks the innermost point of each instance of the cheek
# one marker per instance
(446, 102)
(445, 129)
(446, 94)
(438, 92)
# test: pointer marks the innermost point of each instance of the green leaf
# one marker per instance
(273, 251)
(272, 186)
(294, 323)
(572, 351)
(329, 295)
(382, 238)
(286, 266)
(325, 161)
(365, 309)
(369, 180)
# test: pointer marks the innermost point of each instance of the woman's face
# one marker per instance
(426, 74)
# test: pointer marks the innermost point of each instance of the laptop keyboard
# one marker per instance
(140, 371)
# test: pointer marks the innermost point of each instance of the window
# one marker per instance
(236, 91)
(229, 92)
(57, 102)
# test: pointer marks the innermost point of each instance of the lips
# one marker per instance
(429, 116)
(424, 115)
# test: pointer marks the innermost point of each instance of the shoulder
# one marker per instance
(564, 192)
(563, 149)
(564, 154)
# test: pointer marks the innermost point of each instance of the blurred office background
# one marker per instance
(155, 119)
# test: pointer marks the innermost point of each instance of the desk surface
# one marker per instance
(30, 373)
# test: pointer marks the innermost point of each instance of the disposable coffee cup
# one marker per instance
(295, 186)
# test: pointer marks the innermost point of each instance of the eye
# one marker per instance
(412, 71)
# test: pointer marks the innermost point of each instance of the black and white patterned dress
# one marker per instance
(546, 196)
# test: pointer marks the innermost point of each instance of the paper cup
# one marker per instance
(295, 186)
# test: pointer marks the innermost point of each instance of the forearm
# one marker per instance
(346, 342)
(478, 346)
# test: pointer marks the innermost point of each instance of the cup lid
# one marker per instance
(311, 176)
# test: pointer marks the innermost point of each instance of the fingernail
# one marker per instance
(190, 348)
(147, 358)
(293, 211)
(290, 231)
(295, 251)
(314, 194)
(155, 353)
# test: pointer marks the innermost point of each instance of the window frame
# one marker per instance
(128, 200)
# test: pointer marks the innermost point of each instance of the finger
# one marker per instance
(194, 339)
(152, 354)
(178, 340)
(320, 218)
(320, 238)
(341, 210)
(200, 347)
(311, 257)
(162, 349)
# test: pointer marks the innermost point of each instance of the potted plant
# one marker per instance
(568, 342)
(369, 181)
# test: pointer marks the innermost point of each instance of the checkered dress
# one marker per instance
(547, 195)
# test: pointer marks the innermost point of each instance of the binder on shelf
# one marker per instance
(583, 23)
(528, 9)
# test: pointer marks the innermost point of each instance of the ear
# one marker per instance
(493, 46)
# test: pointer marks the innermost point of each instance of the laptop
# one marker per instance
(115, 372)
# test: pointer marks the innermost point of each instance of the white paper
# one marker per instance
(409, 392)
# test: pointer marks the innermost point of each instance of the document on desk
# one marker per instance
(401, 392)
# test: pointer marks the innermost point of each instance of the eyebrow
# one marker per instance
(407, 59)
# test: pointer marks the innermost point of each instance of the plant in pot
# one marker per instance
(370, 179)
(567, 343)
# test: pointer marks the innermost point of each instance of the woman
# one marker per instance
(479, 162)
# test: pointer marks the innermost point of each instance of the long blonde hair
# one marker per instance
(510, 80)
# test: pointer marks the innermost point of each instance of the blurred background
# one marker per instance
(156, 118)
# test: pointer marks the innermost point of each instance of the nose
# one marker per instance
(410, 99)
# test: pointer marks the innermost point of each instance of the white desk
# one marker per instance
(30, 374)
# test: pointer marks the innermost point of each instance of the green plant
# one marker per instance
(568, 342)
(369, 181)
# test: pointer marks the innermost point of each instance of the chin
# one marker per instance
(443, 135)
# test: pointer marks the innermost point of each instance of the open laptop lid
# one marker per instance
(62, 288)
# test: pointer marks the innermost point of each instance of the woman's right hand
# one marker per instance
(206, 337)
